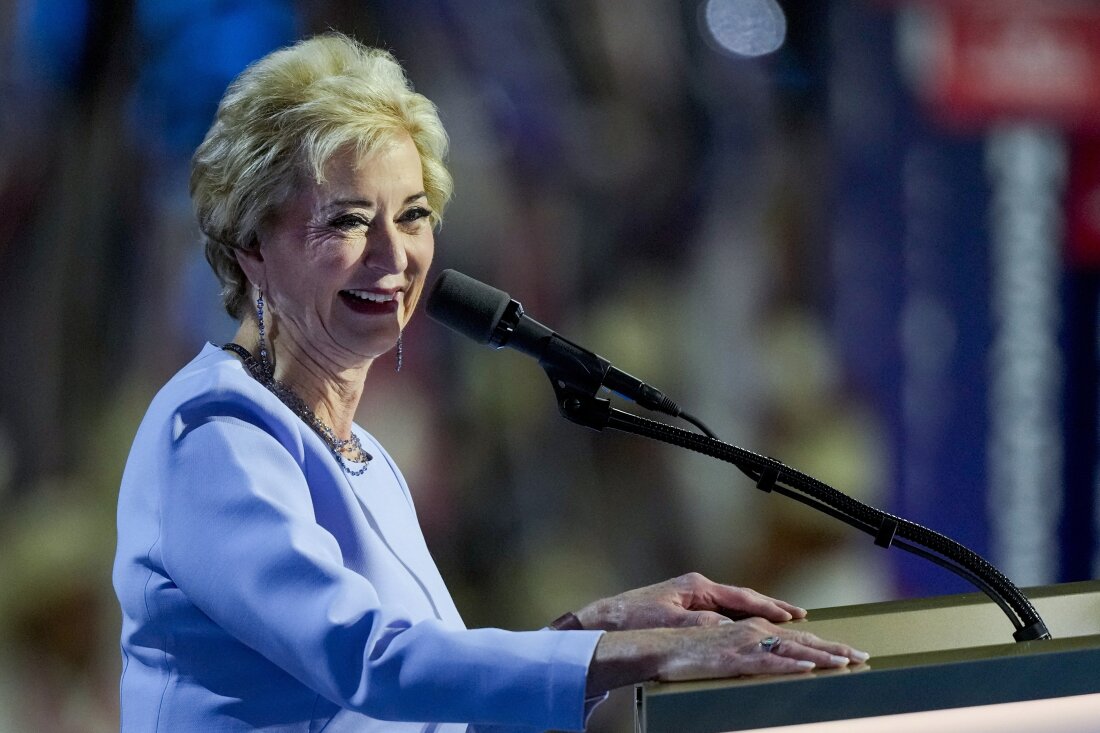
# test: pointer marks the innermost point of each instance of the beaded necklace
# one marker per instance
(338, 446)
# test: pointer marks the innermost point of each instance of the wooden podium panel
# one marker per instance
(926, 654)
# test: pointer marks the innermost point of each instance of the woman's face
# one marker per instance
(343, 263)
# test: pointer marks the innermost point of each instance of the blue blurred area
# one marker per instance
(189, 51)
(49, 40)
(911, 311)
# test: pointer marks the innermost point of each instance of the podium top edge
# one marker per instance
(895, 664)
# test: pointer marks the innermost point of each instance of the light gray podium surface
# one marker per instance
(926, 654)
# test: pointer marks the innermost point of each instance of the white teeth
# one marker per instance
(373, 297)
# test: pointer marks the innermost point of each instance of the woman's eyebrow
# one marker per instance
(366, 203)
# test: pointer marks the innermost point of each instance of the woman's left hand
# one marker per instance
(689, 600)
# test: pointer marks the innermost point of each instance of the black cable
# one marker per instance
(966, 574)
(698, 423)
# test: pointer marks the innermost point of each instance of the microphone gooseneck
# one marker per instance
(489, 316)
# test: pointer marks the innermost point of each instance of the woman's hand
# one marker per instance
(689, 600)
(751, 646)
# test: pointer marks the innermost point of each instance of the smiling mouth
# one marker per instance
(369, 302)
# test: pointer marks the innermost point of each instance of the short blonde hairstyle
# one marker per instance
(284, 118)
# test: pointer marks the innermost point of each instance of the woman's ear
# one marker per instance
(251, 261)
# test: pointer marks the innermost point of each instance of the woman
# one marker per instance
(270, 568)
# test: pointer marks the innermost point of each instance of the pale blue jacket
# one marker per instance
(262, 588)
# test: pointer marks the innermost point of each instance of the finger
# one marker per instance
(778, 664)
(795, 611)
(703, 618)
(748, 601)
(794, 650)
(711, 666)
(813, 641)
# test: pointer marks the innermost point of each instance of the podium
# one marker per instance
(927, 654)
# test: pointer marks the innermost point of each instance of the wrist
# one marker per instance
(627, 657)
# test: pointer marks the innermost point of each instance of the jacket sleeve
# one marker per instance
(238, 537)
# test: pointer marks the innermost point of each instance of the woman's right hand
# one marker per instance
(730, 649)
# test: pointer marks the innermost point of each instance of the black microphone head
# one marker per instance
(466, 305)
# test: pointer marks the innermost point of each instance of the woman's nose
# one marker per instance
(386, 249)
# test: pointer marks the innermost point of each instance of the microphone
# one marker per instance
(490, 316)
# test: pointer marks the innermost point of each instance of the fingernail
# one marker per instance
(725, 621)
(805, 664)
(860, 656)
(839, 661)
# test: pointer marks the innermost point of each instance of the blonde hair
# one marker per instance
(283, 118)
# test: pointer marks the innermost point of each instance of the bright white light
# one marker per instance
(746, 27)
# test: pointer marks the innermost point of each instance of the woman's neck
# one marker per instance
(331, 391)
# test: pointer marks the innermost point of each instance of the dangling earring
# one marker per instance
(400, 354)
(263, 336)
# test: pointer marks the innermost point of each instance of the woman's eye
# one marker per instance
(415, 214)
(349, 221)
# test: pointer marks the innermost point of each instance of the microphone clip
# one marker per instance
(578, 406)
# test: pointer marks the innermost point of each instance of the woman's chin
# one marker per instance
(373, 346)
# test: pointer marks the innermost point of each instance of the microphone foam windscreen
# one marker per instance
(466, 305)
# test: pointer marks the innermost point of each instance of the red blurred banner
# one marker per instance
(1083, 204)
(976, 61)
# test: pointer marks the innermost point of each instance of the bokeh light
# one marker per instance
(746, 27)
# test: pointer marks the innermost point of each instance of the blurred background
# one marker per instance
(861, 237)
